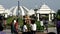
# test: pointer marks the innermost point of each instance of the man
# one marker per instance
(33, 27)
(12, 26)
(24, 28)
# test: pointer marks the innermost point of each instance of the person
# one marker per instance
(25, 28)
(58, 26)
(45, 22)
(4, 21)
(12, 26)
(41, 22)
(33, 27)
(1, 27)
(15, 27)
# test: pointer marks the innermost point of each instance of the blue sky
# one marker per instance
(31, 4)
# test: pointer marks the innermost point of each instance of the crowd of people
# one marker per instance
(14, 26)
(29, 26)
(25, 29)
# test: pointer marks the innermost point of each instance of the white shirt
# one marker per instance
(33, 27)
(24, 28)
(14, 21)
(41, 22)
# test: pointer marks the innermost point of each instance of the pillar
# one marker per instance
(49, 17)
(38, 17)
(5, 15)
(52, 16)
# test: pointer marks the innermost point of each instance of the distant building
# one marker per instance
(31, 12)
(2, 11)
(22, 10)
(45, 11)
(14, 11)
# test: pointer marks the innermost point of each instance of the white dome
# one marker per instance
(45, 10)
(2, 9)
(7, 11)
(44, 7)
(22, 10)
(31, 12)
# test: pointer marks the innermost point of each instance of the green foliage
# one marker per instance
(39, 27)
(34, 17)
(35, 9)
(20, 21)
(9, 20)
(58, 12)
(58, 16)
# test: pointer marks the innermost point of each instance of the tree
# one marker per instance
(35, 13)
(35, 10)
(58, 12)
(33, 17)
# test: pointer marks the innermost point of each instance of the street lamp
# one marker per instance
(51, 16)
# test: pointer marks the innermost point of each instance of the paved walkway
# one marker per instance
(7, 31)
(53, 29)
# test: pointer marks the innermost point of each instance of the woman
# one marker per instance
(16, 27)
